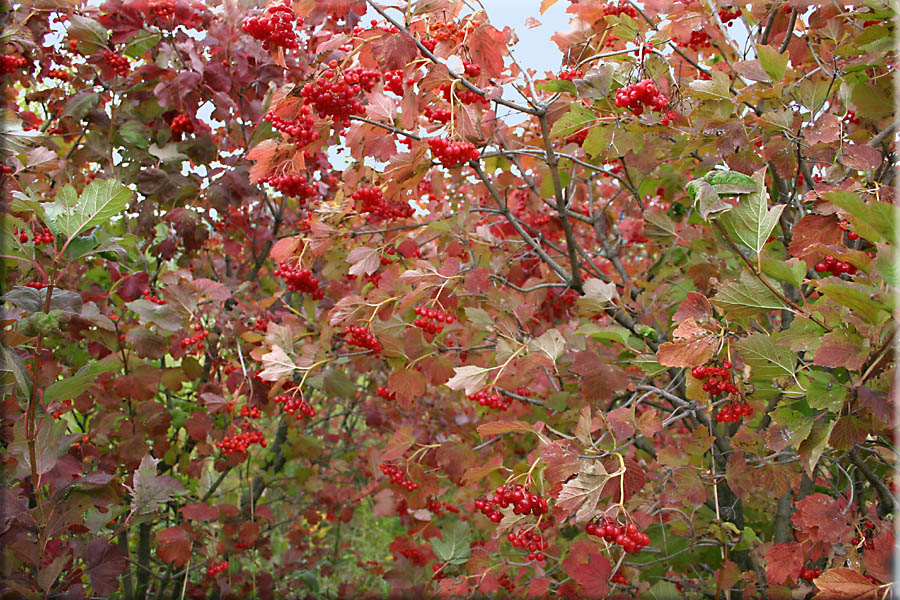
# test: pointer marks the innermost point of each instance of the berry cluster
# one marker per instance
(360, 336)
(37, 285)
(216, 568)
(58, 74)
(196, 339)
(293, 405)
(718, 379)
(851, 235)
(181, 124)
(397, 477)
(299, 280)
(464, 95)
(865, 540)
(438, 507)
(851, 118)
(302, 130)
(261, 325)
(119, 63)
(529, 540)
(733, 412)
(5, 169)
(810, 574)
(162, 8)
(637, 95)
(621, 7)
(833, 265)
(373, 202)
(393, 81)
(292, 185)
(44, 236)
(628, 536)
(497, 401)
(699, 39)
(154, 299)
(275, 27)
(438, 115)
(431, 320)
(571, 74)
(250, 412)
(8, 63)
(386, 393)
(452, 153)
(446, 32)
(337, 98)
(727, 16)
(239, 442)
(522, 501)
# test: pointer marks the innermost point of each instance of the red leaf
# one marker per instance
(199, 425)
(133, 287)
(487, 45)
(561, 458)
(394, 50)
(686, 353)
(538, 587)
(103, 563)
(695, 306)
(407, 384)
(398, 443)
(813, 229)
(589, 568)
(454, 459)
(783, 563)
(820, 517)
(842, 349)
(199, 511)
(860, 157)
(174, 546)
(634, 479)
(880, 558)
(846, 584)
(498, 427)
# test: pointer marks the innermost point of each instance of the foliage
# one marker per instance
(293, 309)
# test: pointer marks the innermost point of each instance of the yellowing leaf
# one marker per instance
(469, 378)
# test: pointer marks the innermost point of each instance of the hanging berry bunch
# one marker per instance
(240, 442)
(334, 95)
(385, 393)
(530, 540)
(431, 320)
(118, 63)
(301, 130)
(299, 280)
(181, 124)
(371, 201)
(619, 8)
(360, 336)
(628, 536)
(9, 64)
(196, 340)
(398, 477)
(294, 404)
(719, 380)
(276, 27)
(292, 185)
(216, 568)
(491, 400)
(638, 95)
(451, 153)
(517, 496)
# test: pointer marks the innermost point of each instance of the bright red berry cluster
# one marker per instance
(301, 130)
(529, 540)
(45, 236)
(216, 568)
(833, 265)
(37, 285)
(299, 280)
(154, 299)
(119, 63)
(638, 95)
(393, 81)
(372, 201)
(9, 64)
(292, 185)
(515, 495)
(452, 153)
(162, 8)
(295, 405)
(431, 320)
(250, 412)
(261, 325)
(497, 401)
(275, 27)
(335, 96)
(5, 169)
(851, 118)
(438, 115)
(397, 477)
(471, 69)
(699, 39)
(360, 336)
(463, 94)
(718, 379)
(619, 578)
(628, 536)
(386, 393)
(438, 507)
(196, 339)
(621, 7)
(239, 442)
(181, 124)
(571, 74)
(851, 235)
(734, 412)
(58, 74)
(727, 16)
(864, 542)
(810, 574)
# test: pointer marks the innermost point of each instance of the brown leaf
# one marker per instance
(687, 353)
(813, 229)
(580, 495)
(696, 306)
(199, 511)
(399, 442)
(487, 45)
(842, 349)
(846, 584)
(174, 546)
(860, 157)
(783, 563)
(454, 459)
(880, 557)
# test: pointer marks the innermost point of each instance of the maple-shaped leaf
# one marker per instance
(561, 458)
(469, 378)
(589, 568)
(487, 45)
(401, 439)
(551, 343)
(363, 261)
(751, 222)
(174, 546)
(706, 198)
(695, 306)
(746, 297)
(454, 459)
(822, 518)
(597, 295)
(453, 546)
(580, 495)
(766, 358)
(841, 348)
(694, 345)
(276, 365)
(151, 491)
(628, 483)
(103, 563)
(783, 563)
(847, 584)
(879, 559)
(394, 50)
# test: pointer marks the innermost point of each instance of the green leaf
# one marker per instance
(134, 133)
(731, 182)
(88, 30)
(77, 384)
(558, 85)
(887, 265)
(454, 545)
(811, 449)
(80, 104)
(706, 199)
(648, 364)
(716, 88)
(163, 316)
(101, 200)
(857, 298)
(811, 92)
(773, 63)
(13, 363)
(792, 271)
(598, 139)
(766, 359)
(824, 392)
(751, 222)
(615, 333)
(874, 221)
(746, 297)
(141, 43)
(150, 490)
(574, 120)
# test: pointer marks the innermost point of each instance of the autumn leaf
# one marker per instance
(150, 491)
(174, 546)
(846, 584)
(783, 563)
(580, 495)
(276, 365)
(469, 378)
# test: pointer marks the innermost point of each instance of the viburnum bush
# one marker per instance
(339, 298)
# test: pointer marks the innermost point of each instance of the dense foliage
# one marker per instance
(336, 298)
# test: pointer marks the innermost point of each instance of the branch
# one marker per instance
(390, 128)
(790, 31)
(884, 493)
(883, 134)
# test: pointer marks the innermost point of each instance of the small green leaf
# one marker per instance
(766, 359)
(716, 88)
(77, 384)
(792, 271)
(558, 85)
(141, 43)
(746, 297)
(773, 63)
(731, 182)
(706, 199)
(824, 392)
(454, 545)
(574, 120)
(751, 222)
(101, 199)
